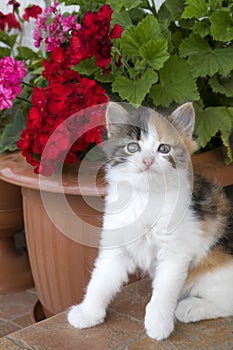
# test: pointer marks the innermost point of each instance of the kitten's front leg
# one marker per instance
(110, 272)
(167, 285)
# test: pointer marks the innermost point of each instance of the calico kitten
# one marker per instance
(161, 218)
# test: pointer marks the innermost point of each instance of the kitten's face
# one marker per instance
(144, 143)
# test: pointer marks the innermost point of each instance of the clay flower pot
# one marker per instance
(15, 269)
(62, 241)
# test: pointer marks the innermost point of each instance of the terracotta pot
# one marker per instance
(15, 269)
(211, 165)
(61, 259)
(62, 255)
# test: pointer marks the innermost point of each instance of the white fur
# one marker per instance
(148, 224)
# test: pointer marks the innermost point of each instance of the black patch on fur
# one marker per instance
(202, 201)
(134, 132)
(226, 241)
(170, 159)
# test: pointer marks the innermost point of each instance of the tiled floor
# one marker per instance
(15, 310)
(122, 330)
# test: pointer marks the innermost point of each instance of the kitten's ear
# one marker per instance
(184, 118)
(116, 115)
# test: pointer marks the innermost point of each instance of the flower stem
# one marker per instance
(24, 83)
(22, 99)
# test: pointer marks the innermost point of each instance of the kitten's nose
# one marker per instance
(148, 161)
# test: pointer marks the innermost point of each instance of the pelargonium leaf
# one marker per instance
(222, 25)
(136, 36)
(195, 8)
(202, 27)
(210, 121)
(155, 52)
(118, 5)
(176, 84)
(222, 85)
(12, 131)
(135, 90)
(204, 60)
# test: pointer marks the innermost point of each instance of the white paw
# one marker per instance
(80, 316)
(158, 325)
(188, 311)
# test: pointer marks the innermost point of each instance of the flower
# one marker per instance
(94, 38)
(32, 12)
(53, 28)
(156, 57)
(67, 93)
(11, 74)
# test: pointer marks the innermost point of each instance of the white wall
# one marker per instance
(28, 26)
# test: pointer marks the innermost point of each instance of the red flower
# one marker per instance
(14, 3)
(66, 94)
(32, 11)
(94, 38)
(9, 20)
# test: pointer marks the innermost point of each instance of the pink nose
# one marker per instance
(148, 162)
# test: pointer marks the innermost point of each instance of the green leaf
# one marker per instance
(118, 5)
(129, 41)
(4, 51)
(9, 40)
(135, 36)
(148, 29)
(210, 121)
(86, 67)
(104, 78)
(70, 2)
(155, 53)
(202, 27)
(222, 85)
(11, 133)
(194, 45)
(222, 25)
(26, 53)
(176, 84)
(122, 18)
(134, 91)
(175, 8)
(204, 60)
(195, 8)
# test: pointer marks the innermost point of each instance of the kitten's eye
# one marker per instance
(164, 148)
(133, 147)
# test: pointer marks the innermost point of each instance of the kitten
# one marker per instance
(161, 218)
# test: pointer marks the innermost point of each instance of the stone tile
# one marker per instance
(32, 290)
(146, 344)
(7, 327)
(23, 321)
(19, 298)
(8, 344)
(204, 335)
(15, 305)
(56, 333)
(123, 330)
(132, 300)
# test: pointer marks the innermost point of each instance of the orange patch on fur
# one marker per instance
(215, 259)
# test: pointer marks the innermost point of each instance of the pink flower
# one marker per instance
(5, 97)
(11, 74)
(70, 22)
(53, 28)
(11, 68)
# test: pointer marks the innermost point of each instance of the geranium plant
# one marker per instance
(127, 50)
